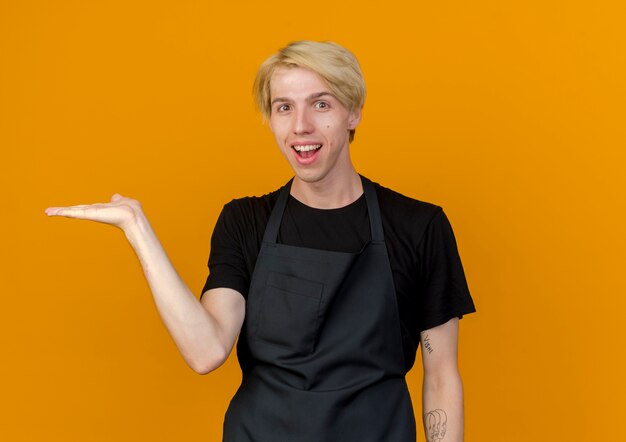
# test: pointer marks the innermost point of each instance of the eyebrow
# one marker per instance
(309, 98)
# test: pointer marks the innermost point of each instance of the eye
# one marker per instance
(322, 105)
(282, 108)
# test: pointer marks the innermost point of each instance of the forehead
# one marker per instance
(295, 82)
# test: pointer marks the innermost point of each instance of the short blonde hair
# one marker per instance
(335, 64)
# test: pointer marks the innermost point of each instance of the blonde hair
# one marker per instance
(335, 64)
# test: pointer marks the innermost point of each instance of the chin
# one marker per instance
(307, 176)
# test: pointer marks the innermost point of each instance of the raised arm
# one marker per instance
(442, 390)
(204, 332)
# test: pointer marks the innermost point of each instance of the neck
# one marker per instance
(330, 192)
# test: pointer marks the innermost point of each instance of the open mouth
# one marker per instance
(307, 150)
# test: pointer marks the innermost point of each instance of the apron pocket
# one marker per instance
(290, 312)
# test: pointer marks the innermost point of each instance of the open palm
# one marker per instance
(120, 212)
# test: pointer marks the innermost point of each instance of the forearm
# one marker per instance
(194, 330)
(442, 407)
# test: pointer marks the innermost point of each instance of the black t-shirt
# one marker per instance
(427, 271)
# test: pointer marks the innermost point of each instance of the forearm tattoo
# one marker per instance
(427, 345)
(435, 424)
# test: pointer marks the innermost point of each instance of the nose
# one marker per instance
(302, 123)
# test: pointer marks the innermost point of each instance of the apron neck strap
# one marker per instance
(373, 211)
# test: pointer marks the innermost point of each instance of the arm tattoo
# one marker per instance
(427, 345)
(435, 424)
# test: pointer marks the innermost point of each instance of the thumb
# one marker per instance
(116, 197)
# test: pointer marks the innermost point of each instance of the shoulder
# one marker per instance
(252, 204)
(405, 214)
(248, 214)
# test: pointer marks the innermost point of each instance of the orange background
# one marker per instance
(510, 115)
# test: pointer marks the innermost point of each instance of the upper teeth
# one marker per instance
(307, 147)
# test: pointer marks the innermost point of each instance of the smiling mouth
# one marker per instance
(306, 151)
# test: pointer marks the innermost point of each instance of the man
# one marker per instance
(330, 282)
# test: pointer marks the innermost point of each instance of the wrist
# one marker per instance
(137, 230)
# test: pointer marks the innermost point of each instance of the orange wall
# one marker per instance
(510, 115)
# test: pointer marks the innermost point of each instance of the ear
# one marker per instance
(354, 119)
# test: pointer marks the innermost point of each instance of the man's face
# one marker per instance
(310, 125)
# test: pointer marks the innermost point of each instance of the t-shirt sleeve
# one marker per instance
(227, 266)
(445, 294)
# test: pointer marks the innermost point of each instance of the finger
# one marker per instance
(79, 211)
(54, 211)
(118, 199)
(70, 212)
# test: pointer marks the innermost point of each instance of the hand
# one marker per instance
(121, 212)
